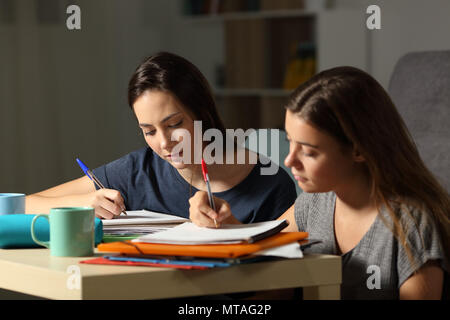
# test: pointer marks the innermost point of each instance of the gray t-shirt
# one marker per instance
(378, 265)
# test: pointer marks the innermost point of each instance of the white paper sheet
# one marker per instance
(189, 233)
(136, 229)
(290, 250)
(143, 217)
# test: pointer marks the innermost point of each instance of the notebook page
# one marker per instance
(189, 233)
(136, 217)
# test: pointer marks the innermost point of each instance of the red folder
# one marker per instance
(211, 250)
(102, 260)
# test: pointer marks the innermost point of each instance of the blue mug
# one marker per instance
(11, 203)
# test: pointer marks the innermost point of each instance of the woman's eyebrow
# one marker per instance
(145, 125)
(305, 143)
(308, 144)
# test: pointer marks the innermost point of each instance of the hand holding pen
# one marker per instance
(202, 214)
(91, 176)
(208, 186)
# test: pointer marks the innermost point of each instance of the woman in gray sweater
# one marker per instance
(367, 193)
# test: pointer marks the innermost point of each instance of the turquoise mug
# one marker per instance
(11, 203)
(71, 231)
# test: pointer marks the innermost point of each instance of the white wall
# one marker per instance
(406, 26)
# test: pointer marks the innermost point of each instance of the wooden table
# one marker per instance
(35, 272)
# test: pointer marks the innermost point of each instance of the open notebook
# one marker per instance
(141, 217)
(188, 233)
(140, 222)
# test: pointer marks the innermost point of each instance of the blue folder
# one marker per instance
(15, 231)
(192, 261)
(200, 263)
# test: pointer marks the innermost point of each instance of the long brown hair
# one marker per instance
(172, 73)
(353, 107)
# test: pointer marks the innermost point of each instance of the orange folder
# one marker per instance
(209, 250)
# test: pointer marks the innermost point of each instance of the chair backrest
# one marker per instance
(276, 153)
(420, 89)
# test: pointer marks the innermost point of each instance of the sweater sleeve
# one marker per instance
(424, 243)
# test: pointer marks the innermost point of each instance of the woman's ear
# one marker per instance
(357, 156)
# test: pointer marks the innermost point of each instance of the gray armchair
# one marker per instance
(420, 89)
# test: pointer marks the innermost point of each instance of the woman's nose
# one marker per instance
(292, 161)
(164, 140)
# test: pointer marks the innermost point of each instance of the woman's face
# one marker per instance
(317, 160)
(159, 115)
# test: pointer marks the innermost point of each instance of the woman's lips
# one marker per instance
(299, 178)
(175, 156)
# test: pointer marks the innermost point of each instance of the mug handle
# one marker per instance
(35, 239)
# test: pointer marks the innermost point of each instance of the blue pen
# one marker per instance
(92, 177)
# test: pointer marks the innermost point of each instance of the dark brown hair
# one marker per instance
(351, 106)
(171, 73)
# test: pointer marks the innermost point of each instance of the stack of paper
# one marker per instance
(187, 246)
(189, 233)
(271, 246)
(141, 222)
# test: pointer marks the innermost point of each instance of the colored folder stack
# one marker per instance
(144, 252)
(191, 256)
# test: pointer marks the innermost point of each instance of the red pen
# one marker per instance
(210, 197)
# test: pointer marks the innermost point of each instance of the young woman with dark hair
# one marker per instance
(167, 94)
(367, 194)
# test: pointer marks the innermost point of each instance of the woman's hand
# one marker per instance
(203, 215)
(106, 202)
(79, 192)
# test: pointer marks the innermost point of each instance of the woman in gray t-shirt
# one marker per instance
(367, 193)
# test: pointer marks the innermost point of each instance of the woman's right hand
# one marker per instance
(203, 215)
(106, 202)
